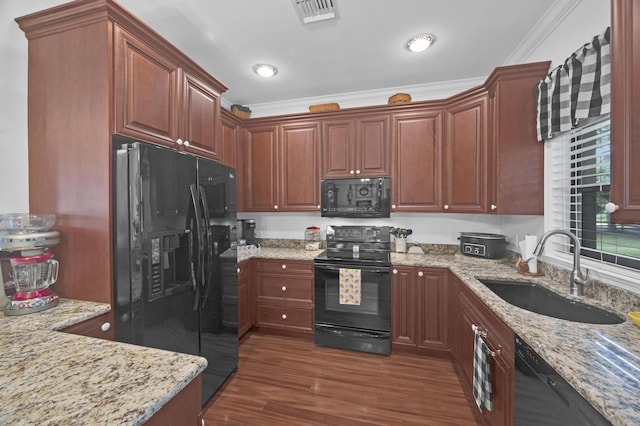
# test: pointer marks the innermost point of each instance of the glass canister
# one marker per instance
(312, 238)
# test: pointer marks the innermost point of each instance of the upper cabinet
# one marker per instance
(516, 158)
(625, 111)
(465, 154)
(356, 147)
(159, 101)
(282, 167)
(417, 160)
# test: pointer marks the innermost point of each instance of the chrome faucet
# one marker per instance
(577, 281)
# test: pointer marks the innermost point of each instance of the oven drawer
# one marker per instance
(271, 286)
(284, 317)
(285, 266)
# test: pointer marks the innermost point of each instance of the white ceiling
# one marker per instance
(361, 50)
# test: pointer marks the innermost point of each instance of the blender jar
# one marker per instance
(34, 273)
(312, 238)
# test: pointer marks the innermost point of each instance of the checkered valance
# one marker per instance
(579, 88)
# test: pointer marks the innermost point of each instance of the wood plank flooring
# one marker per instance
(288, 381)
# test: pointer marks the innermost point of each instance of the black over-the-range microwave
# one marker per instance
(356, 197)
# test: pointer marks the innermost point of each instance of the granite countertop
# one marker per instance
(602, 362)
(54, 378)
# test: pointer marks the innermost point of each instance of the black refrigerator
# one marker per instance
(174, 220)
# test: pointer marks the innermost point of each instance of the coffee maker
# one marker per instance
(247, 231)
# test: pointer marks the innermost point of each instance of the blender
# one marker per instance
(27, 269)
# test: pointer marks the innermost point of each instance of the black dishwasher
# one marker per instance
(543, 398)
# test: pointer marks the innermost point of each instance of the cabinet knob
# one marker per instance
(611, 207)
(352, 172)
(393, 206)
(275, 207)
(493, 207)
(395, 272)
(446, 206)
(284, 266)
(179, 141)
(357, 172)
(106, 326)
(238, 270)
(186, 143)
(284, 288)
(318, 206)
(420, 273)
(284, 316)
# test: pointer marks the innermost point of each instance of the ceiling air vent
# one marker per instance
(315, 10)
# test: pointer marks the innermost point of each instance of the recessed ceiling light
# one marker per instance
(265, 70)
(420, 42)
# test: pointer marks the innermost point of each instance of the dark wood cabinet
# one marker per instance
(500, 339)
(158, 101)
(516, 158)
(282, 167)
(245, 298)
(417, 161)
(356, 147)
(100, 327)
(465, 154)
(625, 111)
(284, 297)
(95, 70)
(420, 309)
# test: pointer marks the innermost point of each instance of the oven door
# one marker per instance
(373, 312)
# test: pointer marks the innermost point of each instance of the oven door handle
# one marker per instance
(338, 331)
(373, 269)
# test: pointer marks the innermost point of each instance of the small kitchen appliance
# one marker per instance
(248, 227)
(488, 246)
(27, 269)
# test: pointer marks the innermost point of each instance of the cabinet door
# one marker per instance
(145, 91)
(299, 165)
(433, 308)
(201, 117)
(373, 147)
(417, 158)
(338, 148)
(404, 294)
(245, 299)
(465, 156)
(261, 177)
(516, 160)
(625, 111)
(229, 143)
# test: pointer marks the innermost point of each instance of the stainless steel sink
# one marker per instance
(535, 298)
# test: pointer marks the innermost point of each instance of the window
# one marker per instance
(578, 177)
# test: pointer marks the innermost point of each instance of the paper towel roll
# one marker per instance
(530, 242)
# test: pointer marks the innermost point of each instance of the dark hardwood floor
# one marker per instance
(288, 381)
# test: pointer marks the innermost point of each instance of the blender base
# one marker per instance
(29, 306)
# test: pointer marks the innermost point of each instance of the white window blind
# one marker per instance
(579, 181)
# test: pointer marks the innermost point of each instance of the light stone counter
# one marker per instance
(602, 362)
(54, 378)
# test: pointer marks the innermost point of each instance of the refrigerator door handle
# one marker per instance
(197, 257)
(208, 246)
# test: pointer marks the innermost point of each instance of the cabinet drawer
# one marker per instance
(287, 288)
(288, 266)
(285, 317)
(100, 327)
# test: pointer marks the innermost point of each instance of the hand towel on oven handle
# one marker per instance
(481, 372)
(350, 286)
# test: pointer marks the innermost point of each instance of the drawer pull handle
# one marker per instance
(284, 288)
(284, 316)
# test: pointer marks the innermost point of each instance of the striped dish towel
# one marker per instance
(481, 373)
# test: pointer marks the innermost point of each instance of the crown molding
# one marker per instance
(420, 92)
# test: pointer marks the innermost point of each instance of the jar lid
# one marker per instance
(313, 227)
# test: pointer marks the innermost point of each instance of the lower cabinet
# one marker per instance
(499, 338)
(100, 327)
(284, 297)
(182, 409)
(420, 309)
(245, 298)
